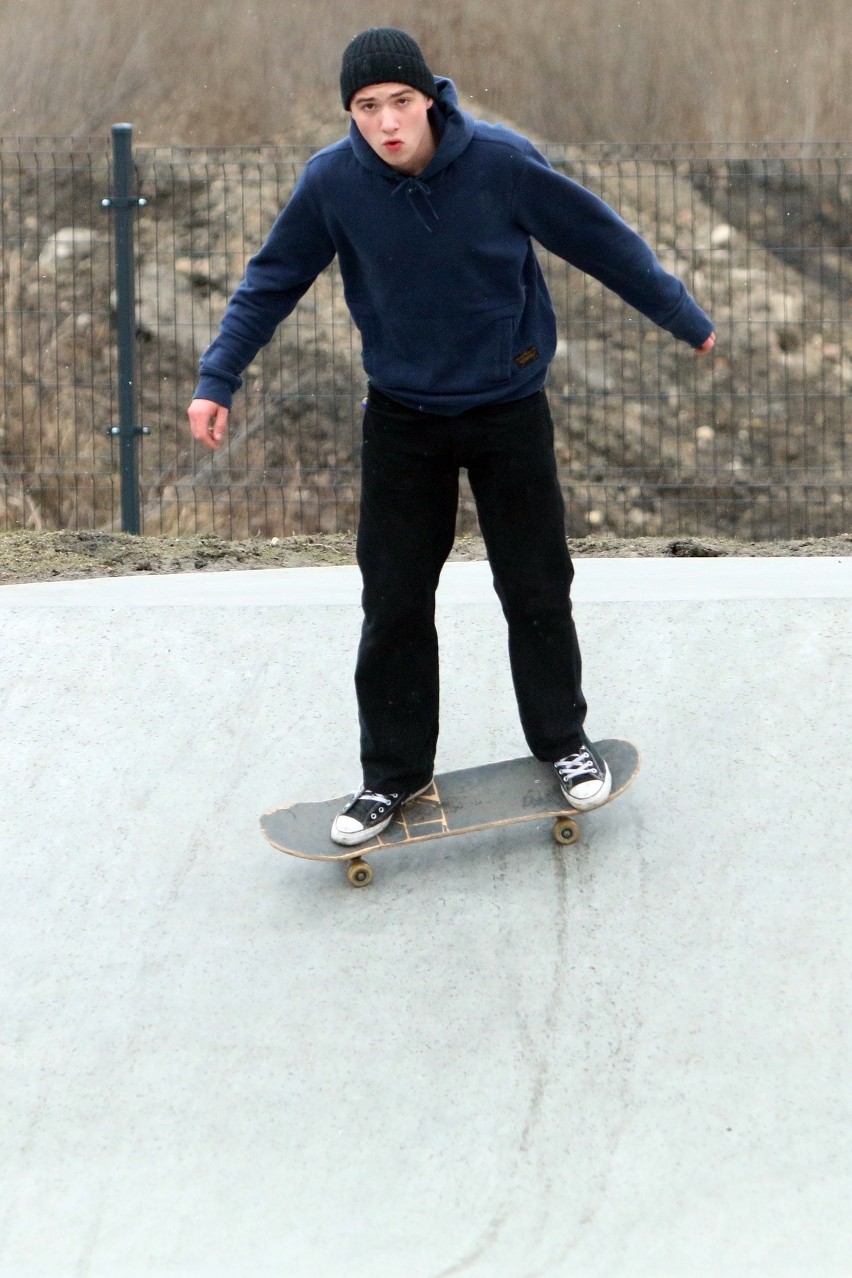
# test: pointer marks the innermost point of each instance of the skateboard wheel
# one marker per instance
(359, 873)
(566, 831)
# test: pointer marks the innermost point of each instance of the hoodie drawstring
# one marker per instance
(411, 186)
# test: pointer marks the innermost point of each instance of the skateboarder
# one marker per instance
(431, 215)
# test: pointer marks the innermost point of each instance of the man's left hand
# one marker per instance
(706, 347)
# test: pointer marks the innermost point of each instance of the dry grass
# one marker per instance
(627, 70)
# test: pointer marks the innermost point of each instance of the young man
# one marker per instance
(431, 215)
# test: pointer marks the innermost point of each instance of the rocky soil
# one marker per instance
(56, 556)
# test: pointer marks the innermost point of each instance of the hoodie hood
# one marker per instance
(455, 128)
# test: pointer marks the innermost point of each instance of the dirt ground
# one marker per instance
(55, 556)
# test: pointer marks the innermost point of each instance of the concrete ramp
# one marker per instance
(624, 1059)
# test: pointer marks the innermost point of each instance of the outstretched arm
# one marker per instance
(573, 223)
(297, 249)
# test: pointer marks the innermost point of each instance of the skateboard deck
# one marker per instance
(484, 798)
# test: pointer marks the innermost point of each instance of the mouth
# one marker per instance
(394, 145)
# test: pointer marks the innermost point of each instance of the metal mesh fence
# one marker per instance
(752, 442)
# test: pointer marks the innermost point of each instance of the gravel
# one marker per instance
(63, 556)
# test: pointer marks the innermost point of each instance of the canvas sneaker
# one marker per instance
(368, 813)
(584, 777)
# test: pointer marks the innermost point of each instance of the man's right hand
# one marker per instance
(208, 422)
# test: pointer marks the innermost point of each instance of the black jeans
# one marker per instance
(409, 497)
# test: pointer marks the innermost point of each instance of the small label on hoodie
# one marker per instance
(527, 357)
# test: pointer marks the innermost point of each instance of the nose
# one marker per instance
(390, 124)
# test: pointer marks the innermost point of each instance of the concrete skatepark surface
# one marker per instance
(629, 1058)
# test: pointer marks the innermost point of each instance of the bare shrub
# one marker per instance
(630, 70)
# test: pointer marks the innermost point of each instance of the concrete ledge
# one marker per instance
(597, 580)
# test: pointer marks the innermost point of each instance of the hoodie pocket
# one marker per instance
(481, 353)
(439, 351)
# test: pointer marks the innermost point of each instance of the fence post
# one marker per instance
(122, 203)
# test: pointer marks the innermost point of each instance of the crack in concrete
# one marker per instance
(538, 1091)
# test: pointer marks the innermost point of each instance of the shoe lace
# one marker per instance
(372, 796)
(575, 765)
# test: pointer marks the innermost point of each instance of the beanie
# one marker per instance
(384, 55)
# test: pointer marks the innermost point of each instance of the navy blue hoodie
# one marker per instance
(439, 271)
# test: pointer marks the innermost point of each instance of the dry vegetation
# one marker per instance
(626, 70)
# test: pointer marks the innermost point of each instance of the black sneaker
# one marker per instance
(368, 813)
(584, 778)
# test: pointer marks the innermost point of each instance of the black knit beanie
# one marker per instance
(384, 55)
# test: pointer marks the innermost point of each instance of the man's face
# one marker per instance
(393, 120)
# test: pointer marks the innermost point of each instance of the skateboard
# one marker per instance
(484, 798)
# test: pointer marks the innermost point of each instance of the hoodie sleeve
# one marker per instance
(297, 249)
(574, 224)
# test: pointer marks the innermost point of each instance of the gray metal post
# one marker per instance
(122, 202)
